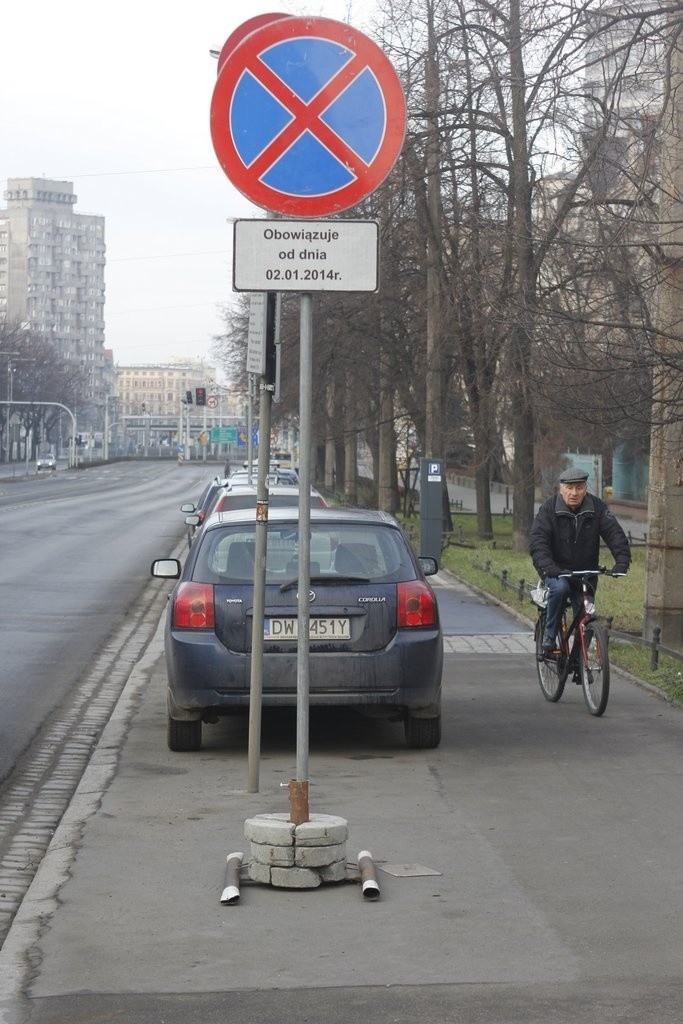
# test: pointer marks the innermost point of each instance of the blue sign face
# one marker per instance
(308, 167)
(307, 117)
(243, 437)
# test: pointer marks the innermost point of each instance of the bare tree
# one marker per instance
(518, 245)
(39, 375)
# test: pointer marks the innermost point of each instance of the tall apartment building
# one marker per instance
(625, 76)
(52, 277)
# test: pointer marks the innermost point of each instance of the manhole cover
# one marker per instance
(407, 870)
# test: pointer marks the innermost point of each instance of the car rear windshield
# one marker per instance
(337, 550)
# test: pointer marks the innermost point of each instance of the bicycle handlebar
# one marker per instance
(600, 571)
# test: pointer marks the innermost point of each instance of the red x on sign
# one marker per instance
(307, 116)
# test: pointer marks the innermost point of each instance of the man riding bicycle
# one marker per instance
(566, 535)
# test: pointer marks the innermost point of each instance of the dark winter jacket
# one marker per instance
(561, 539)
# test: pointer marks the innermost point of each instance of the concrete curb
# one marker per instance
(42, 896)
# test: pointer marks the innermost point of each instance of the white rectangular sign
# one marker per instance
(306, 256)
(256, 337)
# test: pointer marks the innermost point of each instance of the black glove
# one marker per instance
(619, 570)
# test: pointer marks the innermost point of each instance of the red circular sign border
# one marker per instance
(341, 199)
(241, 32)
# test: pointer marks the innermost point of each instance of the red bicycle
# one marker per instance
(582, 644)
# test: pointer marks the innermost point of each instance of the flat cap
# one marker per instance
(573, 475)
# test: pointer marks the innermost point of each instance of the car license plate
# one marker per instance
(319, 628)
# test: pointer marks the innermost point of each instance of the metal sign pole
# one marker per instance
(266, 387)
(250, 428)
(305, 401)
(261, 530)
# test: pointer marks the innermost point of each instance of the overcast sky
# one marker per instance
(116, 98)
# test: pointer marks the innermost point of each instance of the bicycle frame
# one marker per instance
(576, 631)
(582, 647)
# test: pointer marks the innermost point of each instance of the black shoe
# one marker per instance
(549, 652)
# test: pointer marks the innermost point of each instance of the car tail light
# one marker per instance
(193, 607)
(416, 604)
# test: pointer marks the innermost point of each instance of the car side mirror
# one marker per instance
(166, 568)
(430, 566)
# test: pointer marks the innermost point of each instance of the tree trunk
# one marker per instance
(523, 420)
(386, 481)
(434, 427)
(482, 485)
(329, 439)
(664, 565)
(350, 447)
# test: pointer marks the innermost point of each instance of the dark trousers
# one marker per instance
(558, 591)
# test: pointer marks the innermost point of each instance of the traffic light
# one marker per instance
(188, 397)
(200, 394)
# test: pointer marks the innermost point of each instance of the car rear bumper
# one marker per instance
(203, 675)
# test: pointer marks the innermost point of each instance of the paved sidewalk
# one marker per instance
(513, 643)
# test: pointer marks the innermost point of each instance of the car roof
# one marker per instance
(292, 489)
(251, 489)
(284, 514)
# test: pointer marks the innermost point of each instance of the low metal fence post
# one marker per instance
(654, 648)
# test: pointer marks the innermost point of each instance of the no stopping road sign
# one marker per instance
(307, 116)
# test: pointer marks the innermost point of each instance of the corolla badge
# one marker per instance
(311, 596)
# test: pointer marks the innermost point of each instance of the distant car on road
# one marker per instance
(244, 496)
(375, 638)
(198, 511)
(224, 497)
(46, 462)
(274, 476)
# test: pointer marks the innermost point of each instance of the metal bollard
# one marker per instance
(231, 890)
(654, 648)
(368, 877)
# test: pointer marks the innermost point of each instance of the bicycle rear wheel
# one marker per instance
(594, 668)
(551, 674)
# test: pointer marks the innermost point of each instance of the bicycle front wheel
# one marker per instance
(550, 677)
(594, 668)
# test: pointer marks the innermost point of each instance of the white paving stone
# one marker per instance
(491, 643)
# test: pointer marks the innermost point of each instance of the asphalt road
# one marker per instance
(529, 868)
(76, 549)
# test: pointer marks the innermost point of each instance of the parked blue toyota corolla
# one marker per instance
(375, 639)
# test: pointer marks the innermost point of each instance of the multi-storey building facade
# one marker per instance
(159, 389)
(150, 406)
(52, 263)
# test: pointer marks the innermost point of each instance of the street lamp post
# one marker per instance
(59, 405)
(12, 358)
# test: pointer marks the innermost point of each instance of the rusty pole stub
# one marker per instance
(298, 801)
